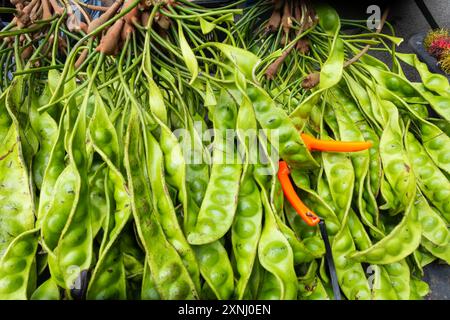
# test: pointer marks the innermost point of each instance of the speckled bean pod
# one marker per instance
(246, 231)
(171, 277)
(15, 266)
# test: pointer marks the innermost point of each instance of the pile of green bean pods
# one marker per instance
(119, 178)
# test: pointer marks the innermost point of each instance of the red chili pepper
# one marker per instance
(334, 146)
(304, 212)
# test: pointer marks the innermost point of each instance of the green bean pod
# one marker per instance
(366, 201)
(397, 167)
(46, 129)
(434, 228)
(275, 253)
(246, 231)
(165, 208)
(5, 119)
(16, 197)
(442, 252)
(381, 286)
(351, 276)
(399, 243)
(219, 204)
(171, 277)
(197, 178)
(271, 288)
(400, 276)
(15, 266)
(48, 290)
(108, 279)
(419, 289)
(432, 182)
(341, 177)
(55, 166)
(432, 81)
(403, 88)
(148, 288)
(97, 194)
(216, 268)
(280, 130)
(361, 109)
(66, 188)
(437, 144)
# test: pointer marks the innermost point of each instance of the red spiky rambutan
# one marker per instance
(435, 35)
(438, 47)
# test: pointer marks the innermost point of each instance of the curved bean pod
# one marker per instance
(48, 290)
(275, 253)
(382, 288)
(270, 288)
(437, 145)
(399, 243)
(171, 277)
(280, 130)
(216, 268)
(148, 289)
(108, 279)
(165, 208)
(366, 201)
(434, 228)
(403, 88)
(246, 231)
(430, 179)
(16, 264)
(340, 174)
(397, 167)
(399, 275)
(442, 252)
(220, 201)
(351, 276)
(46, 129)
(74, 251)
(16, 200)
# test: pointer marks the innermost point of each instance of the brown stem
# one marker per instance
(83, 26)
(367, 47)
(27, 52)
(110, 40)
(34, 16)
(311, 80)
(105, 16)
(163, 21)
(286, 20)
(274, 22)
(46, 14)
(81, 58)
(56, 7)
(302, 46)
(273, 68)
(127, 30)
(311, 16)
(92, 7)
(15, 2)
(131, 16)
(144, 18)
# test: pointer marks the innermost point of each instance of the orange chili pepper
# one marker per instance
(334, 146)
(304, 212)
